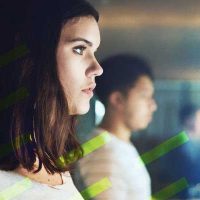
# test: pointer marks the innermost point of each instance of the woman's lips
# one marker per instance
(89, 92)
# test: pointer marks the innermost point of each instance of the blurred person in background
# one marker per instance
(190, 120)
(190, 152)
(183, 162)
(126, 90)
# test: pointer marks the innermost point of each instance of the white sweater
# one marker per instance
(16, 187)
(119, 161)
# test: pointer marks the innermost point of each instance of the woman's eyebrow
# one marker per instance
(82, 40)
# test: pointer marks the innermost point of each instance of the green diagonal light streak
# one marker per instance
(16, 190)
(96, 143)
(96, 188)
(88, 147)
(165, 147)
(171, 190)
(13, 55)
(13, 98)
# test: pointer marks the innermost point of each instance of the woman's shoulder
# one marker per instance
(20, 188)
(11, 182)
(8, 178)
(8, 175)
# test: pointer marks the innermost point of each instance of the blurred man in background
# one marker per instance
(190, 120)
(189, 154)
(183, 162)
(126, 90)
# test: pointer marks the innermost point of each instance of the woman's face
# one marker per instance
(76, 62)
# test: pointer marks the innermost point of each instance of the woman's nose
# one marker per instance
(98, 69)
(95, 69)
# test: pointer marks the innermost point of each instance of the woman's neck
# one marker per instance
(42, 176)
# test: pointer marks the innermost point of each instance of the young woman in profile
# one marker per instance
(59, 75)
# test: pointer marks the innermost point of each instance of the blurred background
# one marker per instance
(167, 34)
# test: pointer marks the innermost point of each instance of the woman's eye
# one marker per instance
(79, 50)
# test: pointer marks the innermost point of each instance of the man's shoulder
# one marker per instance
(108, 153)
(106, 143)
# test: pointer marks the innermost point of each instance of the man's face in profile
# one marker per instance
(139, 104)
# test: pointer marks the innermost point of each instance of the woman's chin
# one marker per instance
(84, 110)
(80, 110)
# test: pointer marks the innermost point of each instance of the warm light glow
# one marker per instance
(129, 18)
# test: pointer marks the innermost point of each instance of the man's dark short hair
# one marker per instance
(121, 72)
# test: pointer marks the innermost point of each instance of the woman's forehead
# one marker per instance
(82, 27)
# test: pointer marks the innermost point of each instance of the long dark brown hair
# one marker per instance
(38, 123)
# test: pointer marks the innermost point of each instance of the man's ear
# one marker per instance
(117, 100)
